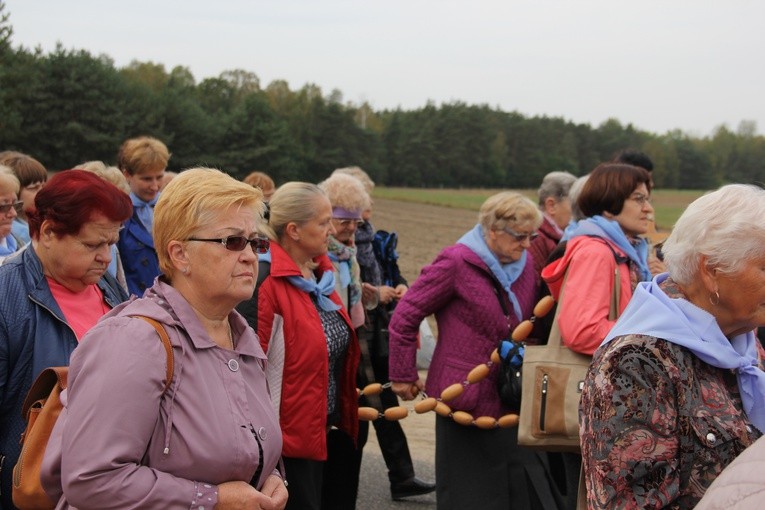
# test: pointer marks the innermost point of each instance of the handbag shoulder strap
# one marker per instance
(498, 291)
(613, 310)
(168, 348)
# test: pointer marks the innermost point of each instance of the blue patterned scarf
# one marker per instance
(507, 274)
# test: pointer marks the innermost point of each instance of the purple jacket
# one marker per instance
(122, 444)
(460, 290)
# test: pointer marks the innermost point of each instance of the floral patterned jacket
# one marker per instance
(657, 425)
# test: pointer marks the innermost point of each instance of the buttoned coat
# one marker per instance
(124, 444)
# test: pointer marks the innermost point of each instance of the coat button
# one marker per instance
(711, 438)
(233, 365)
(262, 433)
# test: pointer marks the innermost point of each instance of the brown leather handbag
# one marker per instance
(553, 378)
(41, 409)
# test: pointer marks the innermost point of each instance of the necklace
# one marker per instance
(230, 335)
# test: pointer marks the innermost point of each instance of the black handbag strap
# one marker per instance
(498, 291)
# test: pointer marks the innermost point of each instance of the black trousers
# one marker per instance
(374, 368)
(329, 485)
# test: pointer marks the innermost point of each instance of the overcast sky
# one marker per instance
(658, 64)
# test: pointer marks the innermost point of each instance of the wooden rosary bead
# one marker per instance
(426, 405)
(443, 409)
(544, 306)
(462, 417)
(452, 392)
(522, 331)
(396, 413)
(485, 422)
(478, 374)
(372, 389)
(368, 413)
(508, 421)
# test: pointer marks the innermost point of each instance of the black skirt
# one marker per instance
(487, 469)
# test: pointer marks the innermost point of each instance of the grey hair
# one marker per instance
(555, 185)
(292, 202)
(357, 172)
(725, 226)
(508, 208)
(8, 180)
(573, 195)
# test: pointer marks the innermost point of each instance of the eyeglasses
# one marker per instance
(641, 199)
(6, 208)
(520, 237)
(259, 245)
(345, 223)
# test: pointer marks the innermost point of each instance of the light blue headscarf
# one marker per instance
(505, 273)
(651, 312)
(599, 226)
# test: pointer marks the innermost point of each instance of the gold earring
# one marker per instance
(715, 301)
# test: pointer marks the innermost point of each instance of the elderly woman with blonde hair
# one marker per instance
(212, 438)
(349, 199)
(479, 289)
(676, 391)
(313, 351)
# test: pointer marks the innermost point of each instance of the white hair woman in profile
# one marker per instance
(676, 391)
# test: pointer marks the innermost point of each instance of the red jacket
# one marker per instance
(292, 336)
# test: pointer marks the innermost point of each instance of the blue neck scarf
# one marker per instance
(10, 246)
(570, 229)
(610, 229)
(144, 210)
(651, 312)
(321, 290)
(507, 274)
(345, 269)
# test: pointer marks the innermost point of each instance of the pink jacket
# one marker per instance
(122, 444)
(591, 266)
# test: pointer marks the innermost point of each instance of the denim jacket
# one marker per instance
(139, 258)
(33, 335)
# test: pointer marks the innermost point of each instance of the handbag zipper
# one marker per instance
(543, 404)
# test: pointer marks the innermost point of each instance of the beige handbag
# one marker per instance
(553, 378)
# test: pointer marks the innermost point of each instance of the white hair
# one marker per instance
(726, 226)
(555, 185)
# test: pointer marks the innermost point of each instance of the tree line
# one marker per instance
(69, 106)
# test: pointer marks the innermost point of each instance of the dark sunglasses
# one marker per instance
(259, 245)
(18, 205)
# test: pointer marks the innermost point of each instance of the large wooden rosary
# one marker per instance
(480, 372)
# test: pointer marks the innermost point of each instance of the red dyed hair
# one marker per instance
(71, 197)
